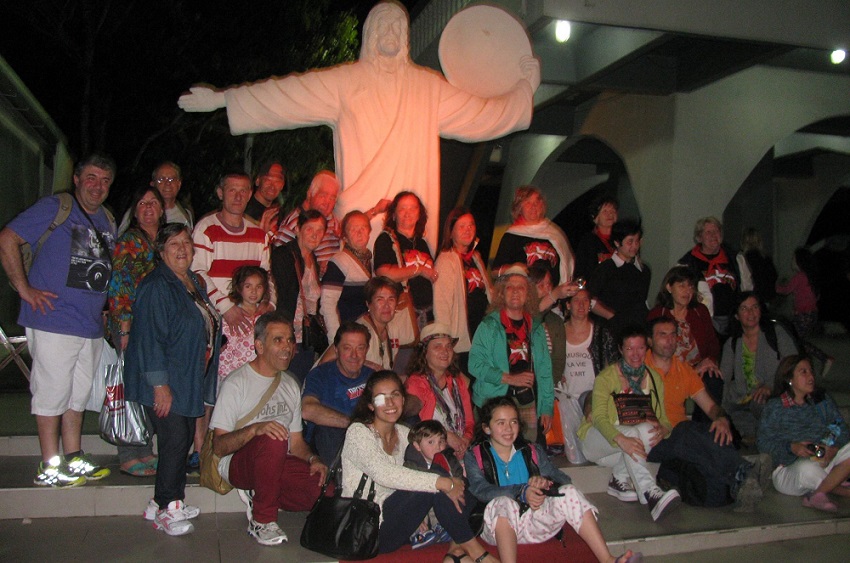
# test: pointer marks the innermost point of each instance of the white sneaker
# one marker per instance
(189, 512)
(173, 520)
(267, 534)
(248, 498)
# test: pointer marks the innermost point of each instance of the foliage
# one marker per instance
(110, 72)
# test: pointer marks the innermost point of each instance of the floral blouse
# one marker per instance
(132, 260)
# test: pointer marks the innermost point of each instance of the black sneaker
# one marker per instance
(659, 501)
(622, 490)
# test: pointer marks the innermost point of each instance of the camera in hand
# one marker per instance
(817, 450)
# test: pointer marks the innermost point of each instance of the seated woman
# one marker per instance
(610, 438)
(463, 284)
(346, 274)
(528, 499)
(374, 446)
(588, 349)
(807, 437)
(436, 383)
(749, 361)
(509, 354)
(696, 341)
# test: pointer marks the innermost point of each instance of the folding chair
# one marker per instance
(14, 346)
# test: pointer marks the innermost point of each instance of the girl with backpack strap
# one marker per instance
(528, 499)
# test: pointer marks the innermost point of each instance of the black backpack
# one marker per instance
(694, 487)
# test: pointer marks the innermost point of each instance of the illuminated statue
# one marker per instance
(386, 112)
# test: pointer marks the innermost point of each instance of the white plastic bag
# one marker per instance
(121, 422)
(571, 417)
(108, 356)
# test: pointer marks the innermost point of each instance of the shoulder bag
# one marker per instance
(210, 477)
(342, 527)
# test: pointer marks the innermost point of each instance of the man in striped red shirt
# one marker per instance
(225, 240)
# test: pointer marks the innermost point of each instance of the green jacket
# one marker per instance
(605, 413)
(488, 360)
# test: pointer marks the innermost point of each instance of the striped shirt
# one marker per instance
(219, 251)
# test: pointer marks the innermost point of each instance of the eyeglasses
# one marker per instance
(148, 203)
(165, 180)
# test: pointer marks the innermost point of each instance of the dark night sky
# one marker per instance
(146, 54)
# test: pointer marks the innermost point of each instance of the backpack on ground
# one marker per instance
(695, 488)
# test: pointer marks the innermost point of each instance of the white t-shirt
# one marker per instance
(578, 369)
(240, 393)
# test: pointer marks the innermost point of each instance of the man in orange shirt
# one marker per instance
(707, 446)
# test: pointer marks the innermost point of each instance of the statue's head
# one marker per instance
(386, 32)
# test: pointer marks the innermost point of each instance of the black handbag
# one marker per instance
(342, 527)
(314, 335)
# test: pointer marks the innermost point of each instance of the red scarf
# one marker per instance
(718, 267)
(606, 241)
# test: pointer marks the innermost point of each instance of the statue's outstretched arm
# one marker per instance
(201, 98)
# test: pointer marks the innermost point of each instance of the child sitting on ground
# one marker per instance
(428, 451)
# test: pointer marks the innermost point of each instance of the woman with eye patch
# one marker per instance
(374, 446)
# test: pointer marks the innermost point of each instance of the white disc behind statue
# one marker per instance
(481, 48)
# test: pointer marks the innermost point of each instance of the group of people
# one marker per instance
(220, 326)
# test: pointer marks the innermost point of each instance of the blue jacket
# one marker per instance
(783, 423)
(168, 345)
(484, 484)
(488, 360)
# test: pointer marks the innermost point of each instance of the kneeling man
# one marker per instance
(268, 454)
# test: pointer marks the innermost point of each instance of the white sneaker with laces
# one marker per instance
(173, 519)
(189, 512)
(267, 534)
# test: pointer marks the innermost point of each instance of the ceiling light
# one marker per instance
(562, 31)
(837, 56)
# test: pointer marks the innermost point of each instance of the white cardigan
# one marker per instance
(362, 453)
(450, 295)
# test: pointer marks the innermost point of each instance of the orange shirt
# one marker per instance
(680, 383)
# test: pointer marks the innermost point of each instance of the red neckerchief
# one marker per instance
(522, 332)
(606, 240)
(715, 264)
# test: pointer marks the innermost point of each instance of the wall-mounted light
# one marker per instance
(837, 56)
(562, 31)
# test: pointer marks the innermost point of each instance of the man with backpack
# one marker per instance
(63, 293)
(698, 457)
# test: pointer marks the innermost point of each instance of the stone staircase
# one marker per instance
(626, 526)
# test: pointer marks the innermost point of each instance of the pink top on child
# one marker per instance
(805, 300)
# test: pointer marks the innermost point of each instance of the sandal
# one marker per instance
(139, 469)
(453, 557)
(482, 557)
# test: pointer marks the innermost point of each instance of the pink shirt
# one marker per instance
(805, 300)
